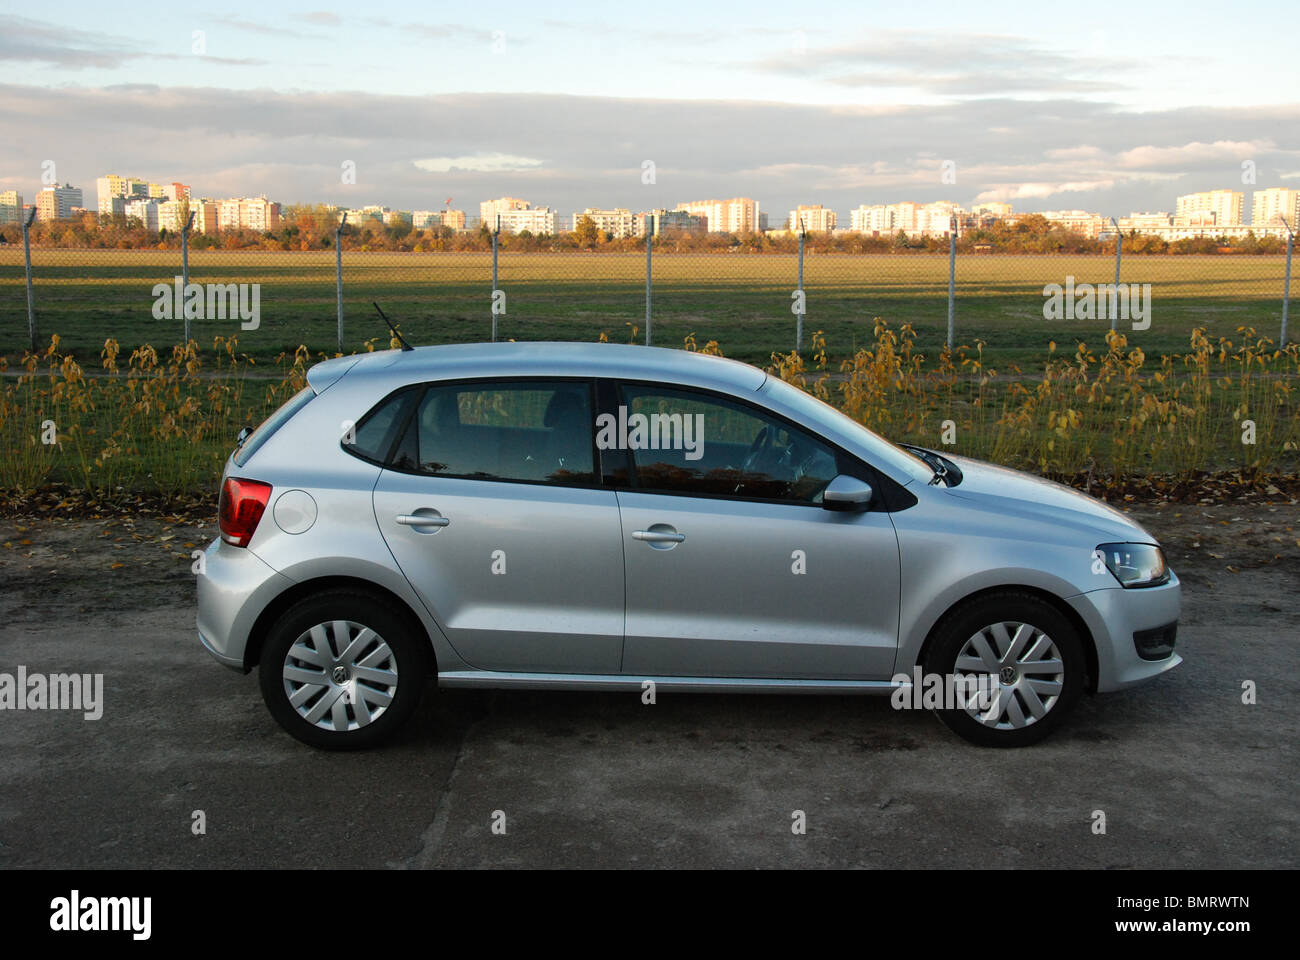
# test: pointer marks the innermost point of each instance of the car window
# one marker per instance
(683, 441)
(534, 431)
(373, 438)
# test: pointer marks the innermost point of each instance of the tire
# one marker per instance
(346, 695)
(1029, 695)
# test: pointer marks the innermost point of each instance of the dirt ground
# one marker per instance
(1186, 774)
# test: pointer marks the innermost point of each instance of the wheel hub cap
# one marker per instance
(340, 675)
(1029, 670)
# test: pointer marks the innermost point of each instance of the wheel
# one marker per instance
(342, 671)
(1024, 656)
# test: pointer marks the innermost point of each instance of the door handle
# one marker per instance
(415, 520)
(658, 536)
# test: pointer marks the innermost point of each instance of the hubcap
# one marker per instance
(340, 675)
(1029, 672)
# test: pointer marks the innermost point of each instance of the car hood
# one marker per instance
(1012, 493)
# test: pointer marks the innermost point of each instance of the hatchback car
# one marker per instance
(605, 517)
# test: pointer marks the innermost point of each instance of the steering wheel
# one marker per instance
(758, 448)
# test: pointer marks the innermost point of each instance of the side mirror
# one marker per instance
(847, 493)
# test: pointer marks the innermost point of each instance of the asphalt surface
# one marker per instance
(1186, 774)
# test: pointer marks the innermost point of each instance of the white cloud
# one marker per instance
(478, 163)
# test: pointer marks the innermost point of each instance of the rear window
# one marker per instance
(273, 423)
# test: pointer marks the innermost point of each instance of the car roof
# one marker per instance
(542, 359)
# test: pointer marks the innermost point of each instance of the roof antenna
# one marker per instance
(396, 336)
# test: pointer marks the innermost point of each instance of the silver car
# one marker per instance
(604, 517)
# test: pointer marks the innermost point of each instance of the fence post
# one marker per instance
(185, 272)
(1119, 254)
(495, 234)
(1286, 283)
(952, 278)
(802, 303)
(31, 298)
(338, 272)
(649, 243)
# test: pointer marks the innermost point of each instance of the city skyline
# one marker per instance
(425, 105)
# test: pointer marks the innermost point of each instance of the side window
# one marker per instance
(373, 438)
(530, 430)
(682, 441)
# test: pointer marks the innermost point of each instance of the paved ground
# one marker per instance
(1186, 775)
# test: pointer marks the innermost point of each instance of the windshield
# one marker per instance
(813, 411)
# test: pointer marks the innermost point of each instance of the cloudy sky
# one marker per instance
(832, 103)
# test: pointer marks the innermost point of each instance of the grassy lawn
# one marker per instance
(741, 300)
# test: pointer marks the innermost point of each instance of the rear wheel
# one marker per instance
(342, 671)
(1022, 660)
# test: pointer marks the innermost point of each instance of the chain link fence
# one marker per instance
(752, 303)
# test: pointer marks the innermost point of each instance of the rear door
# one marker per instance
(494, 511)
(733, 567)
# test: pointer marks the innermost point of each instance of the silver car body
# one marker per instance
(589, 606)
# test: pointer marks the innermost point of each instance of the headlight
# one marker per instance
(1135, 564)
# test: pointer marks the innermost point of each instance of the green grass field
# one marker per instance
(741, 300)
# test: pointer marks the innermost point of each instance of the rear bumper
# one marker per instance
(235, 587)
(1121, 621)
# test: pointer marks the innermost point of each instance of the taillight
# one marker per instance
(241, 507)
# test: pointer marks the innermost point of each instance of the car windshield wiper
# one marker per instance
(945, 470)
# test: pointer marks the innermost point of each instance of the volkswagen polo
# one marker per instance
(602, 517)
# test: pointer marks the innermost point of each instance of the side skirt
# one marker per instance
(615, 682)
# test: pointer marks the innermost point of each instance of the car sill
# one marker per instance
(575, 681)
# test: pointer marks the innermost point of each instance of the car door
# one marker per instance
(733, 569)
(493, 510)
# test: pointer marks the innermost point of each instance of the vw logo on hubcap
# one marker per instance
(1008, 674)
(340, 674)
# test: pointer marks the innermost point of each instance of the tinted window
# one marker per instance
(373, 438)
(687, 442)
(537, 431)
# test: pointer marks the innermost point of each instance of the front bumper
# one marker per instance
(234, 588)
(1115, 616)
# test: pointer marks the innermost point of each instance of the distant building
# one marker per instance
(1269, 207)
(1145, 222)
(656, 222)
(1079, 221)
(205, 215)
(397, 218)
(737, 215)
(995, 209)
(617, 222)
(56, 203)
(454, 219)
(426, 219)
(1220, 208)
(536, 220)
(813, 219)
(489, 209)
(11, 207)
(144, 209)
(247, 213)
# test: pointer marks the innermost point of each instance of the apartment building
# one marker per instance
(1269, 207)
(1221, 208)
(56, 203)
(660, 221)
(617, 222)
(737, 215)
(426, 219)
(536, 220)
(454, 219)
(247, 213)
(489, 209)
(1146, 222)
(813, 219)
(1079, 221)
(144, 209)
(11, 207)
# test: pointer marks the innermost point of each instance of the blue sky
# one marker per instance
(837, 103)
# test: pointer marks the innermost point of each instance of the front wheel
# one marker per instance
(342, 671)
(1020, 663)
